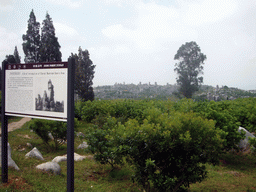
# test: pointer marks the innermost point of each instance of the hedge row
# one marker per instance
(166, 142)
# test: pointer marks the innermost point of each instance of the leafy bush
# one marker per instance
(125, 109)
(92, 109)
(222, 115)
(252, 142)
(78, 109)
(244, 110)
(224, 119)
(102, 143)
(58, 130)
(170, 151)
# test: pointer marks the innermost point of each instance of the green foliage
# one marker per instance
(252, 142)
(120, 109)
(222, 115)
(84, 74)
(244, 110)
(235, 173)
(158, 136)
(78, 108)
(44, 48)
(91, 109)
(10, 59)
(58, 130)
(102, 143)
(16, 55)
(31, 40)
(50, 47)
(224, 119)
(180, 142)
(170, 151)
(189, 67)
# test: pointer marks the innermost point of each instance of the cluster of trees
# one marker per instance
(46, 48)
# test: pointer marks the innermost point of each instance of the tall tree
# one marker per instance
(50, 47)
(16, 55)
(10, 59)
(84, 75)
(31, 40)
(188, 68)
(13, 59)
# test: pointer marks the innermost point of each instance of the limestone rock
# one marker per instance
(80, 134)
(11, 163)
(84, 145)
(29, 145)
(77, 157)
(59, 159)
(244, 144)
(35, 153)
(50, 136)
(50, 167)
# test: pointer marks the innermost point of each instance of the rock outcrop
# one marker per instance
(11, 163)
(50, 167)
(35, 153)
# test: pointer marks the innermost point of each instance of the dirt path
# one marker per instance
(16, 125)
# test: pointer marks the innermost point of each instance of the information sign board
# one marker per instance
(37, 90)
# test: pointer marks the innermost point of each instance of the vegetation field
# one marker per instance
(146, 145)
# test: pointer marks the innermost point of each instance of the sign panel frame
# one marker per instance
(37, 90)
(69, 94)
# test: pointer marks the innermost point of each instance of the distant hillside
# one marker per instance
(168, 91)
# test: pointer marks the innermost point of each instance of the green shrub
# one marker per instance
(91, 109)
(166, 151)
(170, 151)
(244, 110)
(78, 109)
(122, 109)
(252, 142)
(224, 119)
(102, 143)
(58, 130)
(220, 112)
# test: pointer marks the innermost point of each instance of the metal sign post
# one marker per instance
(4, 131)
(70, 125)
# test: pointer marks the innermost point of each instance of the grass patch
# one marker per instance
(236, 171)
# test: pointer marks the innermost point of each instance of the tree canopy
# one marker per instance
(188, 68)
(50, 47)
(13, 59)
(16, 55)
(31, 40)
(84, 74)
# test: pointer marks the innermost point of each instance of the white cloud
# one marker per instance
(6, 5)
(64, 29)
(69, 39)
(206, 11)
(68, 3)
(121, 3)
(154, 25)
(8, 41)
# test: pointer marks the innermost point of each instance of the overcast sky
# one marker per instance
(135, 41)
